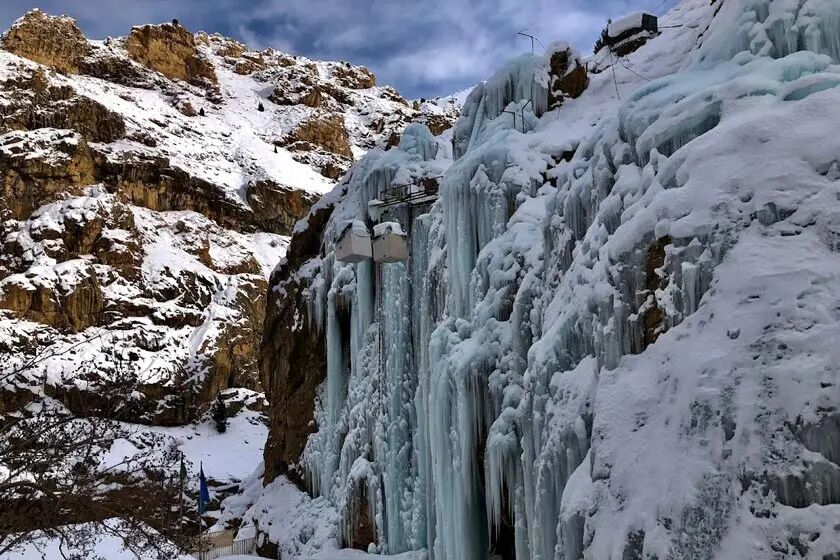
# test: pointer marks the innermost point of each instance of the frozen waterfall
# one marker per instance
(475, 393)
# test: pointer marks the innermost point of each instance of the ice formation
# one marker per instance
(621, 354)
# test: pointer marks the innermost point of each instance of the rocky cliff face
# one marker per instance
(147, 186)
(171, 50)
(52, 41)
(611, 337)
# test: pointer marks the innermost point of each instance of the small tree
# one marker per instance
(260, 107)
(604, 38)
(54, 485)
(219, 414)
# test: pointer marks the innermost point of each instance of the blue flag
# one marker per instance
(203, 492)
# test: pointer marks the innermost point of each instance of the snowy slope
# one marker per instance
(612, 338)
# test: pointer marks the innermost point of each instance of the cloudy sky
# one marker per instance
(422, 47)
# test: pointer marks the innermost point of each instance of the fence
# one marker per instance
(220, 544)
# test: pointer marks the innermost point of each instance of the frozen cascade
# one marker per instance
(524, 79)
(501, 392)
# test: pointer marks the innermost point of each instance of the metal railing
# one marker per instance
(221, 543)
(410, 193)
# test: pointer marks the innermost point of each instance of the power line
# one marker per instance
(628, 68)
(615, 80)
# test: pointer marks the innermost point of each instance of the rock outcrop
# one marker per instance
(325, 131)
(170, 49)
(354, 77)
(154, 285)
(52, 41)
(41, 165)
(277, 208)
(33, 102)
(568, 76)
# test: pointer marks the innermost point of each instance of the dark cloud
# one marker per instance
(424, 48)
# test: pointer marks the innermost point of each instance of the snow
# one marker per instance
(228, 457)
(387, 227)
(627, 23)
(107, 546)
(616, 328)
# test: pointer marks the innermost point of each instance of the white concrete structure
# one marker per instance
(390, 243)
(353, 244)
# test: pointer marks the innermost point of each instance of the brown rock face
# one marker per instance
(249, 63)
(277, 208)
(39, 166)
(301, 84)
(77, 309)
(654, 318)
(100, 245)
(246, 67)
(293, 356)
(37, 104)
(234, 362)
(568, 78)
(321, 131)
(438, 124)
(117, 69)
(151, 182)
(170, 49)
(362, 530)
(355, 77)
(53, 41)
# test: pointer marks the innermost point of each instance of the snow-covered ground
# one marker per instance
(228, 457)
(107, 546)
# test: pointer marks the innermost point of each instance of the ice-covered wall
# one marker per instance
(617, 355)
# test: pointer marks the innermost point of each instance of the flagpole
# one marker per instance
(181, 477)
(200, 528)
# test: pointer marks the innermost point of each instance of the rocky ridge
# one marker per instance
(148, 186)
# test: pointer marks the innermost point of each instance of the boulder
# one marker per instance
(438, 124)
(354, 77)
